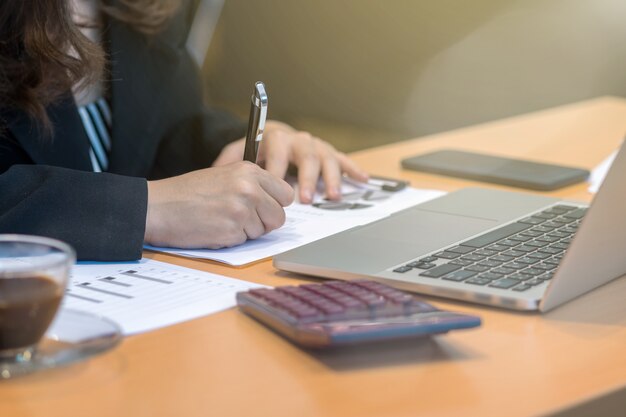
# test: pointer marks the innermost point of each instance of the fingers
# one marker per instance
(264, 198)
(321, 157)
(270, 215)
(256, 206)
(254, 227)
(276, 155)
(331, 171)
(312, 156)
(232, 152)
(277, 188)
(351, 168)
(309, 166)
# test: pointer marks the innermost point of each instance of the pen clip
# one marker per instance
(259, 99)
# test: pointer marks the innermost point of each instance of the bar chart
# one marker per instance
(149, 294)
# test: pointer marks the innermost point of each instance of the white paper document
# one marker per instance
(146, 295)
(306, 223)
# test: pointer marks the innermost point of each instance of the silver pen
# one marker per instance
(256, 122)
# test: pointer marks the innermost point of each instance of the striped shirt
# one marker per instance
(97, 122)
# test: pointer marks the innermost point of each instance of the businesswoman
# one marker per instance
(105, 142)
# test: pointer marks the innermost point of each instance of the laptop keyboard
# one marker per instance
(517, 256)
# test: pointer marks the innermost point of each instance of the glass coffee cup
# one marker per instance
(34, 274)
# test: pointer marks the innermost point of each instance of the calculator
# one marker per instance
(335, 313)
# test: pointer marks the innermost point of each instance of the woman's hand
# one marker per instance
(215, 207)
(312, 156)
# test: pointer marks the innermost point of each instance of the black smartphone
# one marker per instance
(496, 169)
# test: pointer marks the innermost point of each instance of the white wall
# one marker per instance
(417, 66)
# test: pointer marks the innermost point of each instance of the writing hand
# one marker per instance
(215, 207)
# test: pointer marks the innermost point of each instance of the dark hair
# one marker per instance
(43, 53)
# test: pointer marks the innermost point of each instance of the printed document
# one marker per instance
(146, 295)
(305, 223)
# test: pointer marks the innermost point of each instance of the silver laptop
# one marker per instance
(513, 250)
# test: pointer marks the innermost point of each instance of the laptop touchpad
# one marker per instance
(424, 230)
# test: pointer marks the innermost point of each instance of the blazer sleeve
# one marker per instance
(101, 215)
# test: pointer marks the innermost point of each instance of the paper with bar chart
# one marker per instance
(146, 295)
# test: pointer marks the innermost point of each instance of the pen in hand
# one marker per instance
(256, 122)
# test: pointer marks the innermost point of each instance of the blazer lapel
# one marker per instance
(69, 145)
(136, 95)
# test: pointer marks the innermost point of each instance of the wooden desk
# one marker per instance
(517, 364)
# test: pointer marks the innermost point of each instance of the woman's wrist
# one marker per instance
(151, 221)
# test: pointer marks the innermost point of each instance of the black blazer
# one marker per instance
(160, 128)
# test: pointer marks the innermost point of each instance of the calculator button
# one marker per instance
(409, 304)
(305, 314)
(372, 300)
(334, 295)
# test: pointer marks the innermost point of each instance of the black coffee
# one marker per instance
(27, 306)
